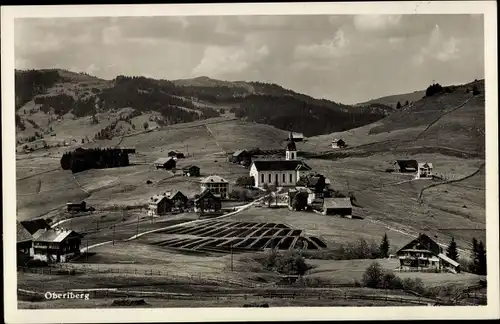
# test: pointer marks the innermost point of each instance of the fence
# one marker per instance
(200, 295)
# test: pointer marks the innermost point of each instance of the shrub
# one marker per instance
(361, 249)
(433, 89)
(373, 276)
(475, 91)
(290, 262)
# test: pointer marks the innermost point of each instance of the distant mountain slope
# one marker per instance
(393, 100)
(57, 93)
(449, 122)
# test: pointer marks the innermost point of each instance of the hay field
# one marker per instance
(390, 198)
(235, 135)
(346, 271)
(333, 229)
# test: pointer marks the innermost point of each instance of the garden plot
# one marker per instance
(227, 236)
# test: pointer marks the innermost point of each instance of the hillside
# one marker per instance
(46, 99)
(451, 122)
(393, 100)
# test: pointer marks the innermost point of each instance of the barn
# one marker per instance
(337, 206)
(407, 165)
(159, 205)
(24, 244)
(165, 163)
(191, 171)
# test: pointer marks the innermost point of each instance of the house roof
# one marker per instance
(335, 140)
(32, 226)
(280, 165)
(407, 164)
(337, 203)
(297, 135)
(157, 198)
(53, 235)
(206, 194)
(239, 152)
(163, 160)
(22, 233)
(450, 261)
(214, 179)
(426, 241)
(425, 165)
(172, 195)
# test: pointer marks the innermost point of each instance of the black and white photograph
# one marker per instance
(240, 159)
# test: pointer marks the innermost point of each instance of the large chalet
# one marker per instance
(423, 253)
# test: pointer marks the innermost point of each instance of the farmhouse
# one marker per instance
(337, 206)
(191, 171)
(424, 170)
(24, 245)
(240, 156)
(56, 245)
(165, 163)
(423, 253)
(338, 143)
(207, 202)
(178, 199)
(32, 226)
(76, 207)
(407, 165)
(159, 205)
(217, 185)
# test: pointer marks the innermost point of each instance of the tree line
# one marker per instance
(292, 114)
(97, 158)
(29, 83)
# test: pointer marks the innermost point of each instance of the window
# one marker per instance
(284, 178)
(276, 178)
(293, 155)
(262, 178)
(269, 178)
(291, 178)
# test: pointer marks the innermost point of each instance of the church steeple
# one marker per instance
(291, 149)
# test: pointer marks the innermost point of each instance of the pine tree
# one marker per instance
(481, 256)
(384, 247)
(398, 106)
(451, 251)
(475, 256)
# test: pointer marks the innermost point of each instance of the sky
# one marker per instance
(344, 58)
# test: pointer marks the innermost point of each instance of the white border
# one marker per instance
(13, 315)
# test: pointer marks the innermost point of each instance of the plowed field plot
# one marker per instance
(224, 236)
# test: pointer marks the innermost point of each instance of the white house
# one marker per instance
(338, 143)
(281, 172)
(424, 171)
(217, 185)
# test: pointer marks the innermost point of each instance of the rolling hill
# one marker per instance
(393, 100)
(46, 99)
(451, 122)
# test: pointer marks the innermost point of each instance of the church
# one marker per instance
(279, 172)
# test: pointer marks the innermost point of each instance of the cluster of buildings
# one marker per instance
(213, 190)
(422, 170)
(37, 240)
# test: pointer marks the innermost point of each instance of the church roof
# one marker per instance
(280, 165)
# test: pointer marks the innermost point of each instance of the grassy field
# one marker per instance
(346, 271)
(393, 199)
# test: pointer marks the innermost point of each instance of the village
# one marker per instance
(279, 182)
